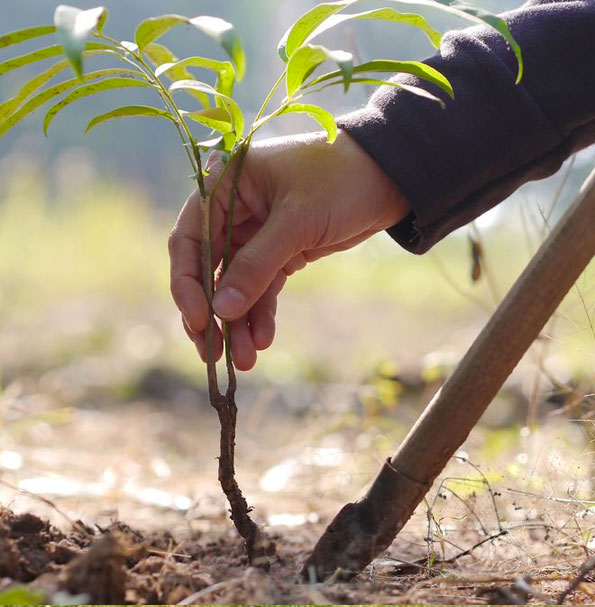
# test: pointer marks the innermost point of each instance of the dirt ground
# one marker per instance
(119, 565)
(120, 504)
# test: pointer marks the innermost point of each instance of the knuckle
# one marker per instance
(251, 259)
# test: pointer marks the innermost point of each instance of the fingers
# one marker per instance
(200, 342)
(262, 315)
(185, 286)
(243, 351)
(185, 252)
(256, 330)
(254, 267)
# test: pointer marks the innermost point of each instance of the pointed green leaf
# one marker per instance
(149, 30)
(219, 30)
(40, 55)
(26, 34)
(38, 81)
(307, 58)
(90, 89)
(224, 143)
(73, 26)
(298, 33)
(477, 15)
(382, 14)
(224, 69)
(55, 91)
(301, 31)
(129, 111)
(416, 90)
(325, 119)
(215, 118)
(159, 54)
(230, 105)
(226, 36)
(421, 70)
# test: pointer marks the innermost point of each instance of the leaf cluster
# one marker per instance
(144, 62)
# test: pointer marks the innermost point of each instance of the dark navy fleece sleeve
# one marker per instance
(454, 164)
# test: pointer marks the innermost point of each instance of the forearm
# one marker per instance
(455, 163)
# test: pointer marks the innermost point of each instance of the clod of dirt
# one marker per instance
(28, 546)
(99, 572)
(164, 581)
(9, 557)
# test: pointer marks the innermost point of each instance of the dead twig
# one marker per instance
(584, 570)
(44, 500)
(191, 600)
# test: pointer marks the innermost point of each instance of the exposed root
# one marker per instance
(258, 546)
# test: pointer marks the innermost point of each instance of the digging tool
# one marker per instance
(363, 529)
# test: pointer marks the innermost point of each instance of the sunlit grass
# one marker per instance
(103, 240)
(106, 242)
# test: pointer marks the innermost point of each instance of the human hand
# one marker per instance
(299, 199)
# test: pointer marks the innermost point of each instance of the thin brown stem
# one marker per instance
(258, 546)
(233, 195)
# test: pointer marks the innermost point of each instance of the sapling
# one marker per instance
(211, 107)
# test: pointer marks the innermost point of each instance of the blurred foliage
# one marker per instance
(76, 237)
(20, 596)
(96, 238)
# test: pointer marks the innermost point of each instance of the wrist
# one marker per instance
(391, 204)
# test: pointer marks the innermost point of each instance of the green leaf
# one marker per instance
(219, 30)
(26, 34)
(325, 119)
(215, 118)
(38, 81)
(20, 596)
(225, 34)
(230, 105)
(159, 54)
(477, 15)
(307, 58)
(129, 111)
(73, 26)
(40, 55)
(416, 90)
(421, 70)
(301, 31)
(224, 69)
(149, 30)
(298, 33)
(90, 89)
(224, 143)
(54, 91)
(382, 14)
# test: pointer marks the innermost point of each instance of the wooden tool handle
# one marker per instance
(363, 529)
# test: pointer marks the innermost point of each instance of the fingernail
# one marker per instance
(228, 302)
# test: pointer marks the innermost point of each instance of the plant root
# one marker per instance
(259, 547)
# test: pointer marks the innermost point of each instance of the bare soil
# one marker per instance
(121, 565)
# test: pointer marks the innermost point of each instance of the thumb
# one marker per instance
(253, 269)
